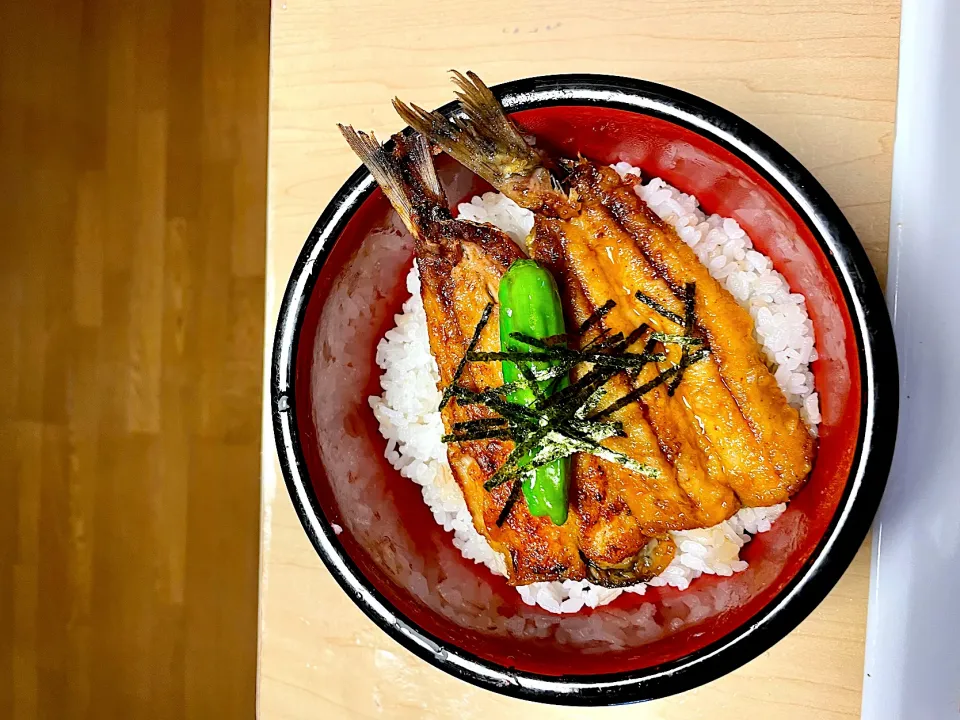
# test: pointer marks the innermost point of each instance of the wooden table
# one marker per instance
(819, 77)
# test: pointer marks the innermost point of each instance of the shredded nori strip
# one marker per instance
(614, 342)
(597, 315)
(511, 466)
(590, 404)
(668, 339)
(559, 445)
(482, 423)
(579, 391)
(516, 356)
(558, 372)
(532, 383)
(535, 342)
(598, 338)
(651, 344)
(587, 445)
(689, 302)
(512, 411)
(635, 336)
(621, 360)
(689, 305)
(508, 388)
(648, 348)
(608, 343)
(550, 340)
(591, 429)
(648, 386)
(647, 300)
(484, 319)
(511, 501)
(624, 360)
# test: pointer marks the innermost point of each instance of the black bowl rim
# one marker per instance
(858, 505)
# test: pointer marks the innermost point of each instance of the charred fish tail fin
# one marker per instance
(456, 138)
(486, 142)
(489, 124)
(406, 174)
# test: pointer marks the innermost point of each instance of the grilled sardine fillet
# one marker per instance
(657, 504)
(461, 264)
(728, 428)
(601, 277)
(783, 438)
(701, 425)
(622, 517)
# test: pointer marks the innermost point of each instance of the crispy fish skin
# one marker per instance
(460, 269)
(782, 435)
(656, 555)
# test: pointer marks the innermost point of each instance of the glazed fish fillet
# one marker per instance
(622, 517)
(587, 265)
(657, 504)
(779, 430)
(703, 404)
(460, 269)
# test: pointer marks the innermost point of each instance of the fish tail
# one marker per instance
(405, 174)
(486, 142)
(457, 139)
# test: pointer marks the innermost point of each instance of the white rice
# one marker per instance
(408, 417)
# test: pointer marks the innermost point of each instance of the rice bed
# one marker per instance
(409, 420)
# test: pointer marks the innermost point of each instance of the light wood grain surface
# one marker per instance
(133, 206)
(820, 77)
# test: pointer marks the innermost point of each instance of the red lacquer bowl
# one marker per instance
(402, 569)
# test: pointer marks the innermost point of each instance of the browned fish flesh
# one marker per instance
(698, 473)
(702, 414)
(622, 526)
(657, 503)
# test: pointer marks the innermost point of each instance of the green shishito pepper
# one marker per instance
(530, 304)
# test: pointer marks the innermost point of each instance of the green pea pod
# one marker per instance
(530, 304)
